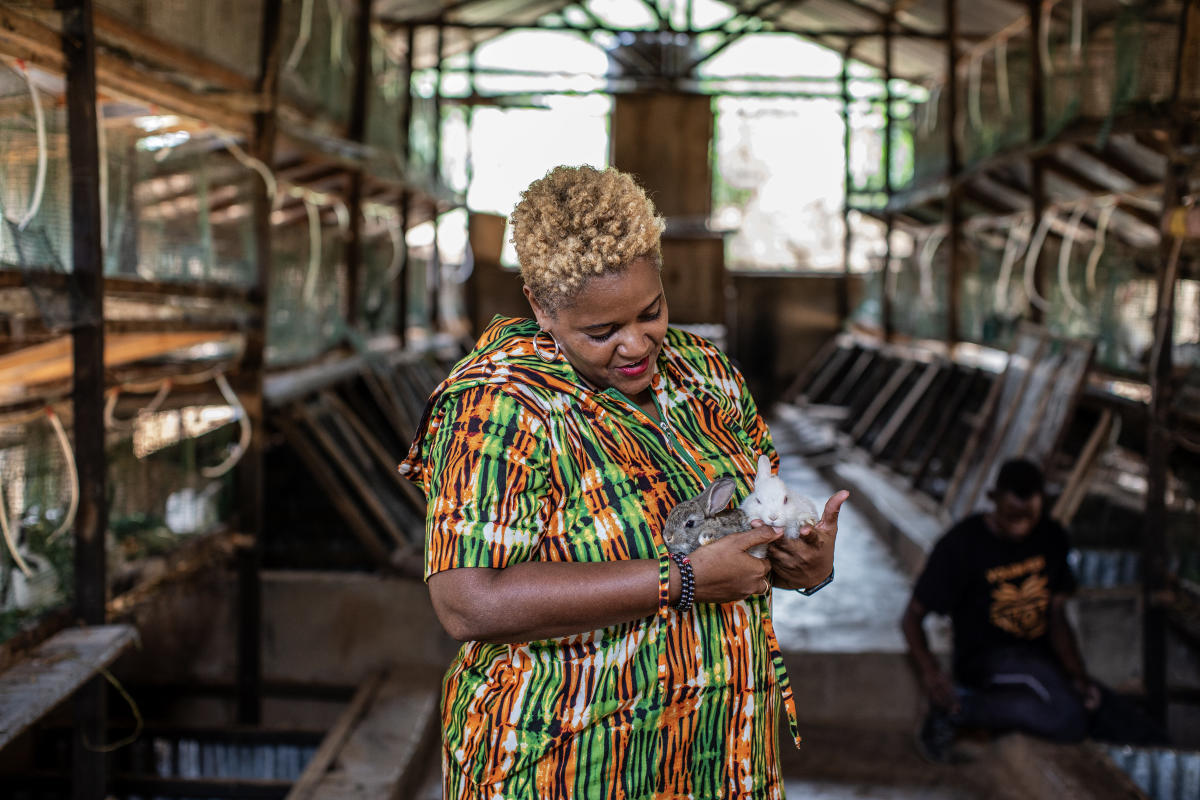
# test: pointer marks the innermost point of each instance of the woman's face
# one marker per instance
(613, 330)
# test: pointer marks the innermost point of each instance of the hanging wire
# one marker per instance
(925, 266)
(243, 444)
(974, 79)
(396, 236)
(39, 118)
(1017, 235)
(1002, 77)
(305, 33)
(1031, 257)
(1044, 41)
(463, 273)
(249, 161)
(72, 475)
(931, 108)
(314, 249)
(1077, 32)
(1106, 213)
(1064, 261)
(110, 405)
(137, 718)
(9, 540)
(337, 44)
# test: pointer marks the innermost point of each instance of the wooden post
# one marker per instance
(1037, 131)
(889, 219)
(356, 131)
(250, 468)
(87, 398)
(434, 286)
(953, 167)
(843, 295)
(402, 281)
(1155, 575)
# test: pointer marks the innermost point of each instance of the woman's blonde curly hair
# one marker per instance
(579, 222)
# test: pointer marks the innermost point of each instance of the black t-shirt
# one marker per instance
(996, 591)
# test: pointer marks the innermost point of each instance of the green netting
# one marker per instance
(224, 31)
(178, 204)
(162, 487)
(919, 291)
(1104, 69)
(305, 313)
(36, 557)
(318, 58)
(424, 141)
(385, 111)
(35, 187)
(382, 261)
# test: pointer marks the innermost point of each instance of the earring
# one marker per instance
(538, 349)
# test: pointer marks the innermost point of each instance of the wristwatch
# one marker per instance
(813, 590)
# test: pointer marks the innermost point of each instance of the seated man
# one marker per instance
(1002, 578)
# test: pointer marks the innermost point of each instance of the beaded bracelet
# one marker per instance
(687, 581)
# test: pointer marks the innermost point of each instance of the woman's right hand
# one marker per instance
(725, 572)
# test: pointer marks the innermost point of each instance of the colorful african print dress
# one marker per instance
(521, 462)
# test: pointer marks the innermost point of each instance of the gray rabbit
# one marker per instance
(703, 519)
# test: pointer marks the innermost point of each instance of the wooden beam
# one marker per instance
(52, 360)
(1037, 132)
(843, 295)
(953, 168)
(87, 311)
(333, 742)
(356, 131)
(1159, 444)
(250, 481)
(318, 467)
(49, 674)
(23, 37)
(404, 278)
(889, 219)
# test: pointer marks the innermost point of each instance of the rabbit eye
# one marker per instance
(785, 501)
(691, 523)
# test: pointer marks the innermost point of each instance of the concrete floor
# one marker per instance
(825, 790)
(860, 610)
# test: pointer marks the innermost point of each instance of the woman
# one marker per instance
(551, 457)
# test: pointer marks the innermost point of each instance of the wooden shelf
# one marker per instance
(53, 671)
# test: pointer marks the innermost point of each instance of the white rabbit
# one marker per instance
(775, 505)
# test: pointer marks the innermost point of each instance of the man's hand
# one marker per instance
(804, 562)
(940, 689)
(1089, 692)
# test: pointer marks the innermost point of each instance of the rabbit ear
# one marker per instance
(764, 468)
(717, 495)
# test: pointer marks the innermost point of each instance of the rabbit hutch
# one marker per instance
(225, 295)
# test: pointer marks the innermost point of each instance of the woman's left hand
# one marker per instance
(805, 561)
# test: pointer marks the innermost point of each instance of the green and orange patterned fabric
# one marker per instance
(521, 461)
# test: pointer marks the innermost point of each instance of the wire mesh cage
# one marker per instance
(316, 76)
(306, 308)
(35, 235)
(921, 278)
(224, 31)
(38, 496)
(178, 202)
(385, 118)
(1094, 69)
(382, 264)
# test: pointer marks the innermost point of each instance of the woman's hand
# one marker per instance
(725, 572)
(804, 562)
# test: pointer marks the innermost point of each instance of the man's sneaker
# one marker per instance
(935, 740)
